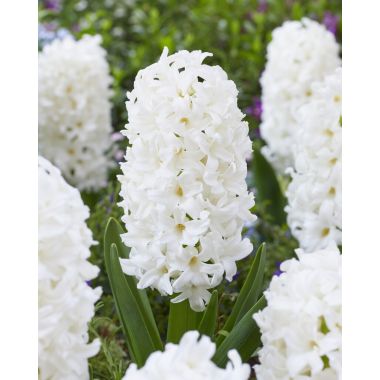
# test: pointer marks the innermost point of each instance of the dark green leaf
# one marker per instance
(208, 322)
(267, 187)
(142, 337)
(249, 293)
(244, 337)
(112, 236)
(182, 318)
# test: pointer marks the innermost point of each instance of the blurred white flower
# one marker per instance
(189, 360)
(301, 325)
(75, 110)
(65, 301)
(300, 53)
(315, 193)
(183, 183)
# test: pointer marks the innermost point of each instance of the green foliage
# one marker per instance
(208, 322)
(268, 189)
(112, 360)
(181, 319)
(249, 293)
(131, 304)
(244, 337)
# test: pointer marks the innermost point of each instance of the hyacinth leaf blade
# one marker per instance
(244, 337)
(253, 292)
(208, 323)
(249, 293)
(131, 314)
(182, 318)
(112, 235)
(268, 190)
(136, 323)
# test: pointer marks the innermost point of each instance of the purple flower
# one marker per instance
(117, 136)
(75, 28)
(330, 21)
(119, 155)
(257, 133)
(256, 109)
(262, 6)
(249, 232)
(53, 5)
(278, 271)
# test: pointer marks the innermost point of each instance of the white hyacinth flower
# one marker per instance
(75, 110)
(301, 325)
(315, 193)
(189, 360)
(300, 53)
(183, 183)
(65, 301)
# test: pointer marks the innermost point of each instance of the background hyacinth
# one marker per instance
(301, 326)
(183, 186)
(65, 301)
(315, 191)
(74, 109)
(133, 35)
(301, 52)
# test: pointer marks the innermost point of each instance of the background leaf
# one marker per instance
(268, 189)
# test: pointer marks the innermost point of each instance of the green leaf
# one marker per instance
(132, 316)
(249, 293)
(244, 337)
(182, 318)
(112, 236)
(208, 322)
(268, 188)
(128, 297)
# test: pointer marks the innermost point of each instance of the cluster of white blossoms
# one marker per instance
(189, 360)
(301, 326)
(300, 53)
(183, 185)
(65, 301)
(315, 193)
(75, 110)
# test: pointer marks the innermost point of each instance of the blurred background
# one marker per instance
(135, 32)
